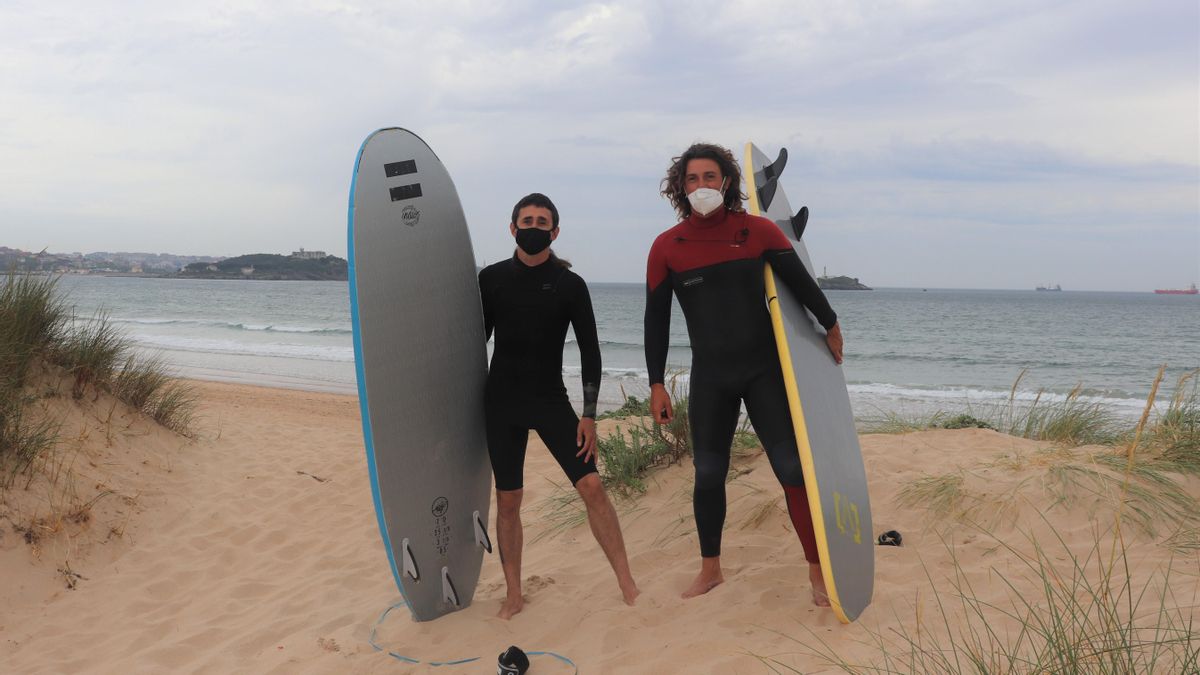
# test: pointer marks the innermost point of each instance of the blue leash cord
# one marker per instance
(408, 659)
(560, 657)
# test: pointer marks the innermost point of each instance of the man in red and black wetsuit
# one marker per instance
(713, 260)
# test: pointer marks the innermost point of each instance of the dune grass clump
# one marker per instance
(891, 422)
(90, 351)
(1174, 439)
(626, 456)
(965, 421)
(32, 319)
(1065, 610)
(624, 461)
(1088, 614)
(1071, 421)
(632, 407)
(38, 330)
(23, 439)
(1140, 479)
(942, 495)
(144, 384)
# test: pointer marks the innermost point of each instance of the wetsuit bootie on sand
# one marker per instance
(512, 661)
(890, 538)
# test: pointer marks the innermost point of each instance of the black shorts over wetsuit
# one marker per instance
(529, 308)
(715, 266)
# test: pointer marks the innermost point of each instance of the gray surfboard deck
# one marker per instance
(834, 475)
(421, 362)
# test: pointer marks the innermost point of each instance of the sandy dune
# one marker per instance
(254, 548)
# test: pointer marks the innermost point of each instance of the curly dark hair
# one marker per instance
(674, 189)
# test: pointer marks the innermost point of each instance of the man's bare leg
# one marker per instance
(602, 518)
(511, 538)
(709, 578)
(820, 594)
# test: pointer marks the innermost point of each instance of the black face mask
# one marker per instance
(532, 240)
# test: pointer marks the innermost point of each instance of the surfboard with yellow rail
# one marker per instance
(834, 476)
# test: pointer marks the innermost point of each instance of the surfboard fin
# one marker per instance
(800, 221)
(449, 594)
(409, 564)
(481, 535)
(770, 180)
(775, 168)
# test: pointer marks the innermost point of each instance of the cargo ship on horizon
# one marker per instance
(1190, 290)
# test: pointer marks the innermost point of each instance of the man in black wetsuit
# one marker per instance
(713, 260)
(528, 300)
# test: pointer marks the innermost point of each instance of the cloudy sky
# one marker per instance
(937, 144)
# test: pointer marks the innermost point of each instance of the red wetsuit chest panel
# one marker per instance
(696, 243)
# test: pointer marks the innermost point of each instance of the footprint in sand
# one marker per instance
(536, 583)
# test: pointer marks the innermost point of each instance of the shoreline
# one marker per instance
(870, 401)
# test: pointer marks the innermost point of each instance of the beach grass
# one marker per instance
(38, 332)
(32, 317)
(23, 437)
(627, 455)
(1086, 614)
(1072, 420)
(632, 407)
(624, 460)
(1141, 478)
(564, 510)
(90, 351)
(941, 495)
(1175, 437)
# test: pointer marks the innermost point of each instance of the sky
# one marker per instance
(936, 144)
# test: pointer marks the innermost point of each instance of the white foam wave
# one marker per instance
(881, 391)
(257, 327)
(341, 354)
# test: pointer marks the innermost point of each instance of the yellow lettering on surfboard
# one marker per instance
(851, 524)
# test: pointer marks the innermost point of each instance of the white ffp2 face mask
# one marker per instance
(706, 200)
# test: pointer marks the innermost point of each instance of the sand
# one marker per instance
(254, 548)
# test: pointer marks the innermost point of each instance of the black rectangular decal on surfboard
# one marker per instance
(400, 168)
(405, 192)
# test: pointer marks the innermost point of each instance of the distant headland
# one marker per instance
(828, 283)
(301, 265)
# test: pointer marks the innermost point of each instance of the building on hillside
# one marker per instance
(308, 255)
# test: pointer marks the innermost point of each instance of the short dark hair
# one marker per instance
(535, 199)
(674, 189)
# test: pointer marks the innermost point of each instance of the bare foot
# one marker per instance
(709, 578)
(511, 607)
(820, 594)
(631, 593)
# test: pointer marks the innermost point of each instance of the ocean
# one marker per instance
(908, 351)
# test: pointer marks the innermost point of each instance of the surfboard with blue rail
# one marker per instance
(421, 362)
(834, 476)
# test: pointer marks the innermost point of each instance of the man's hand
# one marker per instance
(834, 340)
(585, 438)
(660, 404)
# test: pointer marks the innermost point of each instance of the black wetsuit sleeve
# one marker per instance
(789, 268)
(489, 321)
(658, 330)
(583, 320)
